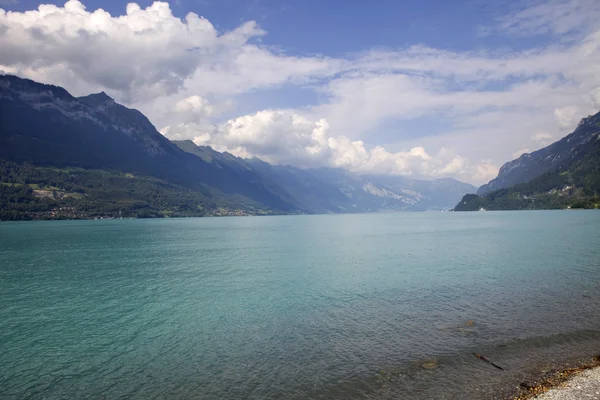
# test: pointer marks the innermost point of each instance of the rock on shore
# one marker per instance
(582, 386)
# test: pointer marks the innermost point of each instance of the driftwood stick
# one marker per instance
(486, 360)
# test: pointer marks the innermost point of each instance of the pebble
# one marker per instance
(582, 386)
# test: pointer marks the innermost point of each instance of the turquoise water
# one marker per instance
(330, 306)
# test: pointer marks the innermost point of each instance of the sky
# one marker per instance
(420, 88)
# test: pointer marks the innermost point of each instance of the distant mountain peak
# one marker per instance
(96, 100)
(102, 95)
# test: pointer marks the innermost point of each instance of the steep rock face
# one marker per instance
(529, 166)
(566, 175)
(130, 122)
(45, 125)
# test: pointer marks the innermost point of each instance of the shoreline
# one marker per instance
(557, 380)
(274, 214)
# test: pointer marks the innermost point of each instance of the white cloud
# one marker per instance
(187, 77)
(520, 152)
(284, 137)
(567, 117)
(143, 54)
(280, 137)
(542, 138)
(485, 171)
(552, 16)
(199, 133)
(195, 106)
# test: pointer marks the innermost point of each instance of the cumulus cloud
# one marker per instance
(284, 137)
(489, 102)
(199, 133)
(567, 117)
(280, 137)
(485, 171)
(196, 109)
(145, 53)
(196, 106)
(188, 77)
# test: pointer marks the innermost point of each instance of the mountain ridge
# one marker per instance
(64, 139)
(565, 174)
(531, 165)
(45, 125)
(340, 190)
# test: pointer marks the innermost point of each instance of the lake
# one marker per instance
(366, 306)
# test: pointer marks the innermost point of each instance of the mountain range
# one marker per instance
(324, 190)
(565, 174)
(81, 157)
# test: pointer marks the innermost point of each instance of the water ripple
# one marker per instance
(381, 306)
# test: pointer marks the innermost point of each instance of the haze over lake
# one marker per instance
(369, 306)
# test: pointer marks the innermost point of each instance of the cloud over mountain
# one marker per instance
(284, 137)
(415, 110)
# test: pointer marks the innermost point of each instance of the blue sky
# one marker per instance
(426, 88)
(339, 27)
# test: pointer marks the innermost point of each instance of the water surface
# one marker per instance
(303, 307)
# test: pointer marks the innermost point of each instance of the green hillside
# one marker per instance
(572, 185)
(33, 192)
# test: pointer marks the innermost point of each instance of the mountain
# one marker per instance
(82, 157)
(422, 195)
(565, 174)
(44, 125)
(308, 189)
(331, 190)
(368, 193)
(563, 152)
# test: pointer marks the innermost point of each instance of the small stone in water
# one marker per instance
(432, 364)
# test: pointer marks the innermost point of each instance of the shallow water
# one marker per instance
(330, 306)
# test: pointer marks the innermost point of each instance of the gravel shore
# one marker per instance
(583, 386)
